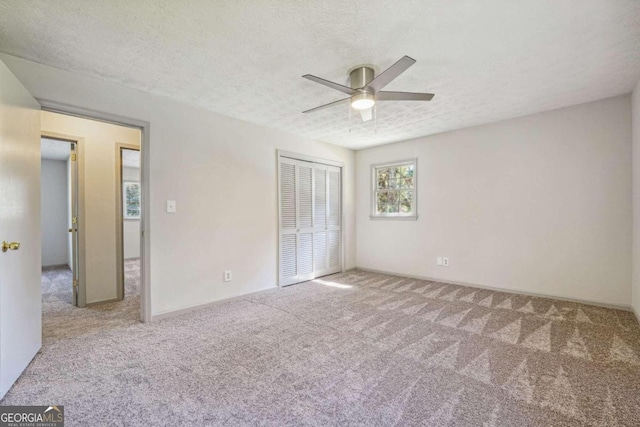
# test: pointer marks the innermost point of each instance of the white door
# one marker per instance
(305, 220)
(73, 222)
(334, 220)
(310, 220)
(20, 267)
(320, 215)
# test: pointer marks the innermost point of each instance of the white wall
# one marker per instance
(538, 204)
(55, 211)
(97, 163)
(636, 199)
(221, 223)
(131, 227)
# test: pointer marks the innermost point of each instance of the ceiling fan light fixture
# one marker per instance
(362, 101)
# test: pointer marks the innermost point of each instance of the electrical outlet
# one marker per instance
(227, 275)
(171, 206)
(439, 260)
(445, 262)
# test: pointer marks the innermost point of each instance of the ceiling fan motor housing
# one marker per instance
(360, 77)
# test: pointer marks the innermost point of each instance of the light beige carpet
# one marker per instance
(350, 349)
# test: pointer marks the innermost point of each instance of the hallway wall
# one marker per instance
(55, 210)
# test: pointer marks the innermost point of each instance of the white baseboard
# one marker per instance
(189, 309)
(511, 291)
(107, 301)
(636, 313)
(54, 267)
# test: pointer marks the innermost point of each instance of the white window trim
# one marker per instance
(394, 216)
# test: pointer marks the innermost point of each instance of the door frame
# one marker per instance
(120, 217)
(145, 181)
(306, 158)
(79, 201)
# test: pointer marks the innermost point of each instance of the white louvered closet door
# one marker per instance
(320, 214)
(288, 222)
(310, 217)
(334, 219)
(305, 221)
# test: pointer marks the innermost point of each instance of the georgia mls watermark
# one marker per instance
(31, 416)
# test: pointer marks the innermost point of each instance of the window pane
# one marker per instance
(405, 182)
(381, 202)
(406, 201)
(392, 197)
(131, 200)
(405, 171)
(383, 178)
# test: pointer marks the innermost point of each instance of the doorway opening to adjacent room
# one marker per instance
(105, 148)
(309, 218)
(59, 219)
(128, 214)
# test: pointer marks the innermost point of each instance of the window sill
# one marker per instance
(396, 217)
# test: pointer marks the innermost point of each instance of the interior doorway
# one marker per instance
(104, 278)
(128, 213)
(59, 220)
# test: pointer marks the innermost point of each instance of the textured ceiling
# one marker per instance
(485, 60)
(54, 149)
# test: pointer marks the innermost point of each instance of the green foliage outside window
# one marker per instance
(394, 189)
(131, 195)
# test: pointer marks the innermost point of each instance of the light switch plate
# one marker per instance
(171, 206)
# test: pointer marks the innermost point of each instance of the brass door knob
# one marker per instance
(13, 246)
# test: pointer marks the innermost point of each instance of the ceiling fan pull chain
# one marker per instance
(375, 118)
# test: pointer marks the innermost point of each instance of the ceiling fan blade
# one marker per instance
(332, 85)
(388, 75)
(403, 96)
(331, 104)
(366, 114)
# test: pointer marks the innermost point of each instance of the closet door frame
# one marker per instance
(302, 157)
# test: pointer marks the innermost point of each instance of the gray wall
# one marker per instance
(538, 204)
(131, 227)
(55, 212)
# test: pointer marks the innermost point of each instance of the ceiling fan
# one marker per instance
(366, 88)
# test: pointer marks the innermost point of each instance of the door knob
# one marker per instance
(13, 246)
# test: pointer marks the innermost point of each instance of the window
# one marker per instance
(394, 190)
(131, 199)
